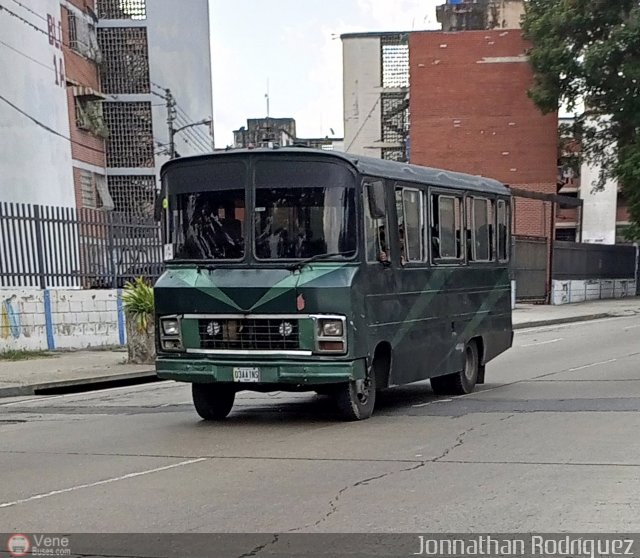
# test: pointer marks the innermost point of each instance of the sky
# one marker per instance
(293, 46)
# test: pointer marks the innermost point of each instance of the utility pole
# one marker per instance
(171, 117)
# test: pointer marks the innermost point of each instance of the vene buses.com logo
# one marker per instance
(18, 545)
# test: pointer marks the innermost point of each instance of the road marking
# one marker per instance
(592, 365)
(543, 342)
(631, 327)
(99, 483)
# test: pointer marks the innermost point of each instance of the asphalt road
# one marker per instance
(550, 443)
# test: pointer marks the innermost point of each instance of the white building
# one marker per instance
(376, 94)
(35, 151)
(151, 47)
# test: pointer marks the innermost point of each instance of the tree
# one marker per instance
(587, 52)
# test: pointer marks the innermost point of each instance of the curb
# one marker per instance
(77, 384)
(567, 320)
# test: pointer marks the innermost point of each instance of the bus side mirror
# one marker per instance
(375, 196)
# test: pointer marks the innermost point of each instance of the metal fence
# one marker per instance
(530, 268)
(573, 260)
(44, 246)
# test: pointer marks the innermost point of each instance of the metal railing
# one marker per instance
(45, 246)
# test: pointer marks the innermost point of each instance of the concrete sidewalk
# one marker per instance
(536, 315)
(67, 370)
(83, 368)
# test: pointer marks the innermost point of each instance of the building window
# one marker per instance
(125, 67)
(133, 195)
(395, 117)
(393, 154)
(130, 141)
(83, 37)
(89, 117)
(394, 53)
(446, 228)
(88, 194)
(122, 9)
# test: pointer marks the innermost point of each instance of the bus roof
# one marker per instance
(370, 166)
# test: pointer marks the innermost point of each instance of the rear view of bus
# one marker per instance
(269, 286)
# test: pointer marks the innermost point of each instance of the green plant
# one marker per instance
(14, 355)
(137, 298)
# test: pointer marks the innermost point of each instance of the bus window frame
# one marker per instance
(471, 226)
(384, 221)
(507, 248)
(454, 194)
(403, 187)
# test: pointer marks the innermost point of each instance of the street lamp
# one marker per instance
(173, 131)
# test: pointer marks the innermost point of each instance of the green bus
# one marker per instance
(305, 270)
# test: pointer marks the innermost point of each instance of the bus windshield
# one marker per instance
(303, 210)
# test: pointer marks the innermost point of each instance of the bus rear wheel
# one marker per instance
(213, 401)
(463, 382)
(356, 399)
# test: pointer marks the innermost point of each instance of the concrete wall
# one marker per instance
(35, 163)
(600, 207)
(569, 292)
(362, 87)
(34, 319)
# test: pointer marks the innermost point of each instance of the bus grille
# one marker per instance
(249, 334)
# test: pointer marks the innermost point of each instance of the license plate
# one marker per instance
(246, 375)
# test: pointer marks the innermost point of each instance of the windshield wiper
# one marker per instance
(299, 265)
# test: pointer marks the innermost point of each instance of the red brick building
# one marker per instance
(470, 112)
(84, 101)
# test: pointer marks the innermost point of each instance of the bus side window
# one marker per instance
(377, 245)
(446, 227)
(479, 223)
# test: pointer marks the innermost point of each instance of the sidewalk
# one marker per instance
(60, 370)
(83, 368)
(535, 315)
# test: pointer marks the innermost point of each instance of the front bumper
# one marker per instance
(285, 372)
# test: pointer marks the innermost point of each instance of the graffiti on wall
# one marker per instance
(9, 319)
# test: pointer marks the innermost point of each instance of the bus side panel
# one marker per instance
(432, 314)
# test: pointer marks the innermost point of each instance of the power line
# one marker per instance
(198, 131)
(197, 142)
(47, 128)
(191, 131)
(30, 10)
(27, 56)
(363, 123)
(27, 22)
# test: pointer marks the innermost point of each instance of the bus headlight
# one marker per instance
(331, 334)
(170, 338)
(170, 327)
(332, 328)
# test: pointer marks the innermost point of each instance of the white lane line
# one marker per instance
(631, 327)
(99, 483)
(543, 342)
(591, 365)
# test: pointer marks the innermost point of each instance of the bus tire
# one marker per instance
(356, 399)
(463, 382)
(213, 401)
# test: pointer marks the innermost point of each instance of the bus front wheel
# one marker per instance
(213, 401)
(462, 382)
(356, 399)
